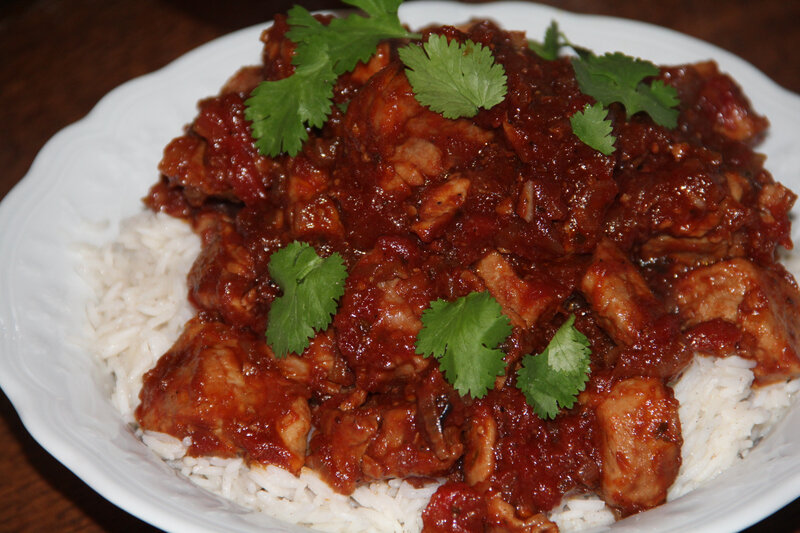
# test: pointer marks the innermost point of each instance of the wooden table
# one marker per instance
(58, 58)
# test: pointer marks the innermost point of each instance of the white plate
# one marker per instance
(99, 168)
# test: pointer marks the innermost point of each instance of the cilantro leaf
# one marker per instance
(454, 79)
(667, 97)
(463, 336)
(591, 127)
(376, 8)
(281, 110)
(365, 33)
(618, 78)
(554, 41)
(549, 48)
(346, 40)
(624, 71)
(311, 286)
(554, 378)
(303, 26)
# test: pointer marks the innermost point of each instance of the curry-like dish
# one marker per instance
(664, 249)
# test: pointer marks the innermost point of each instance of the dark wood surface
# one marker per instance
(59, 57)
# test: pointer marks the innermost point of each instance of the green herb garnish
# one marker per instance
(554, 378)
(591, 126)
(554, 41)
(619, 78)
(463, 335)
(610, 78)
(452, 78)
(549, 48)
(311, 286)
(280, 111)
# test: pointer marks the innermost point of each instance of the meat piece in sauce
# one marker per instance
(524, 465)
(564, 187)
(379, 316)
(394, 148)
(522, 300)
(409, 430)
(455, 508)
(503, 517)
(218, 158)
(223, 277)
(763, 304)
(216, 386)
(647, 336)
(640, 443)
(320, 367)
(619, 295)
(311, 212)
(717, 106)
(458, 508)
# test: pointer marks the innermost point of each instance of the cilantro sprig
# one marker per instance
(591, 126)
(463, 336)
(311, 287)
(553, 378)
(548, 49)
(610, 78)
(281, 110)
(452, 78)
(619, 78)
(554, 41)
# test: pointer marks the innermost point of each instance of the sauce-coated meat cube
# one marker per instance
(763, 303)
(640, 443)
(217, 387)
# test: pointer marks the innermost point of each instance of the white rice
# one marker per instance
(392, 506)
(139, 310)
(722, 417)
(140, 305)
(580, 512)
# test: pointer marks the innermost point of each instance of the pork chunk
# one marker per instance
(523, 300)
(384, 436)
(439, 206)
(217, 387)
(380, 314)
(479, 442)
(224, 276)
(763, 303)
(640, 443)
(618, 293)
(216, 158)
